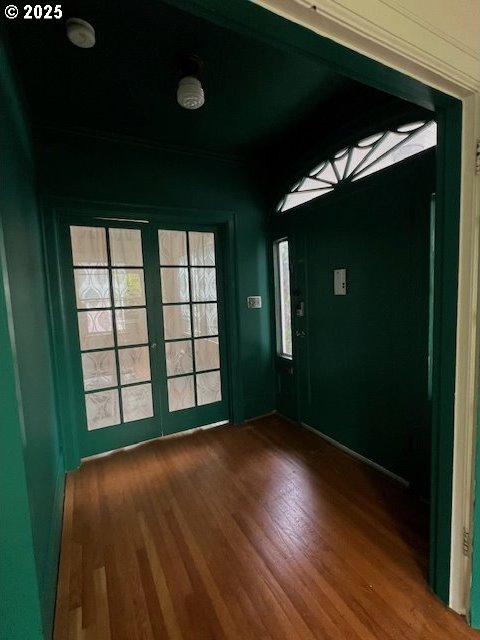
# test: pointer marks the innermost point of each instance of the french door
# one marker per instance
(146, 323)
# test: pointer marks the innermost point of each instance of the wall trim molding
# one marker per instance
(45, 128)
(426, 24)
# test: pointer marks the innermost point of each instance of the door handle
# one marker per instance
(153, 345)
(300, 334)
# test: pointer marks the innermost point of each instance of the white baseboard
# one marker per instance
(356, 455)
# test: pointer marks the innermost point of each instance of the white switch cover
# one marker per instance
(340, 282)
(254, 302)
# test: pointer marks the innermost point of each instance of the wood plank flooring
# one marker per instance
(258, 532)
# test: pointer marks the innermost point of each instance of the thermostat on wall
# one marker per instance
(254, 302)
(340, 282)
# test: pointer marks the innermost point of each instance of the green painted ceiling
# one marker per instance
(256, 94)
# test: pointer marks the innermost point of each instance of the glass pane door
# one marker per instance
(111, 312)
(193, 339)
(128, 290)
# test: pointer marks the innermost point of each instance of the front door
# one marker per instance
(145, 317)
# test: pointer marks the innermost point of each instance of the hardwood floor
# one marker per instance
(259, 532)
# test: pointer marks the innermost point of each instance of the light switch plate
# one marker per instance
(254, 302)
(340, 282)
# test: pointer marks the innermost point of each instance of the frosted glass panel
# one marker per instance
(173, 247)
(206, 354)
(89, 246)
(202, 248)
(179, 357)
(389, 141)
(294, 199)
(126, 247)
(102, 409)
(372, 154)
(95, 329)
(92, 288)
(180, 393)
(175, 285)
(137, 402)
(327, 173)
(176, 321)
(208, 387)
(204, 284)
(340, 164)
(357, 155)
(134, 365)
(131, 326)
(128, 287)
(205, 319)
(99, 370)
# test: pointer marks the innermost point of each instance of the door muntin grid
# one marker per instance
(112, 323)
(188, 276)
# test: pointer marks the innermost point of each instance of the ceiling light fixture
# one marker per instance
(80, 33)
(190, 94)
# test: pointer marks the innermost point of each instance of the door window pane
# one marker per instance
(137, 402)
(181, 394)
(128, 287)
(202, 248)
(205, 319)
(175, 285)
(208, 387)
(89, 246)
(99, 370)
(95, 329)
(282, 302)
(103, 409)
(131, 326)
(172, 247)
(134, 365)
(204, 284)
(176, 321)
(179, 357)
(206, 354)
(126, 247)
(92, 288)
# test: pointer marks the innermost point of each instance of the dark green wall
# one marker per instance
(84, 167)
(367, 352)
(41, 465)
(20, 614)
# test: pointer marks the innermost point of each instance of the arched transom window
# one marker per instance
(362, 159)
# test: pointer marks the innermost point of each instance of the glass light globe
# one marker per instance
(190, 93)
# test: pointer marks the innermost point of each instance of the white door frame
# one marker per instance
(398, 39)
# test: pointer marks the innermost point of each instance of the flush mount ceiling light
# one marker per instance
(80, 33)
(190, 93)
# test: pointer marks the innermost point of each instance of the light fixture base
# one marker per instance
(80, 33)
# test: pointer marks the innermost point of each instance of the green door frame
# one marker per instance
(55, 212)
(251, 19)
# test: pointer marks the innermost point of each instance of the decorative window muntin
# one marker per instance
(369, 155)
